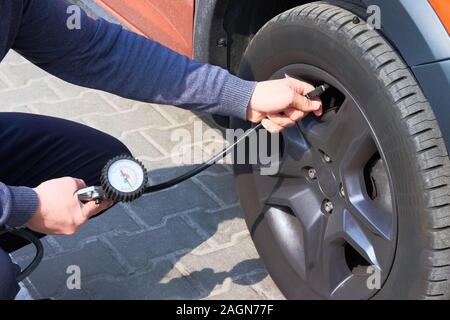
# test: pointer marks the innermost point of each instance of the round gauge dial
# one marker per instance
(126, 175)
(124, 179)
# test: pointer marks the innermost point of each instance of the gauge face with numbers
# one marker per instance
(123, 179)
(126, 175)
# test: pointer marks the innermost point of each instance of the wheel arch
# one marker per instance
(223, 28)
(237, 21)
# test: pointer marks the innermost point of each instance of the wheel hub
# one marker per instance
(328, 183)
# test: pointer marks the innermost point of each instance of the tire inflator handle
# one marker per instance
(317, 92)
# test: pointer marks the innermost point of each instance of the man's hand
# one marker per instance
(281, 103)
(59, 210)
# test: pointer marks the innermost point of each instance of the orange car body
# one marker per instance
(168, 22)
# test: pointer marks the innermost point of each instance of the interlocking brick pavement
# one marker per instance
(188, 242)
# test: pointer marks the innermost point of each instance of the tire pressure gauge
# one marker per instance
(123, 179)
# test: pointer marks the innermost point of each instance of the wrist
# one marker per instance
(38, 201)
(253, 115)
(24, 205)
(236, 96)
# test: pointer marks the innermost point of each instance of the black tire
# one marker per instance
(329, 37)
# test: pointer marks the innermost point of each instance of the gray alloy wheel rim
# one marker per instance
(323, 218)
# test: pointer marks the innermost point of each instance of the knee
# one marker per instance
(8, 272)
(109, 146)
(118, 148)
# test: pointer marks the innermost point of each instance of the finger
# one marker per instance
(294, 114)
(304, 104)
(301, 87)
(281, 120)
(79, 183)
(271, 126)
(255, 116)
(317, 103)
(318, 113)
(91, 209)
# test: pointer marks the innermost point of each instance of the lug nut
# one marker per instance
(312, 173)
(221, 42)
(326, 158)
(328, 206)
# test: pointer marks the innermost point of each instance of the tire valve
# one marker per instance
(317, 92)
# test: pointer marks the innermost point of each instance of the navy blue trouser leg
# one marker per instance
(8, 272)
(34, 149)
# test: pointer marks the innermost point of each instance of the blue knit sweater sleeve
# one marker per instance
(17, 205)
(104, 56)
(100, 55)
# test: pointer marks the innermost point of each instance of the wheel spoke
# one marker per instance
(288, 234)
(298, 195)
(356, 140)
(265, 185)
(352, 121)
(377, 219)
(322, 133)
(344, 228)
(360, 148)
(306, 206)
(339, 132)
(333, 267)
(297, 154)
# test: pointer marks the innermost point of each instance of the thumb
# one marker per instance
(79, 183)
(90, 209)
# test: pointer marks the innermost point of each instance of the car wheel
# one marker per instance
(359, 207)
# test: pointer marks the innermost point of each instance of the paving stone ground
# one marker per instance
(189, 242)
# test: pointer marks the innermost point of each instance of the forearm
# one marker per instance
(17, 205)
(103, 56)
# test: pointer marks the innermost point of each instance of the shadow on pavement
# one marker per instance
(187, 242)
